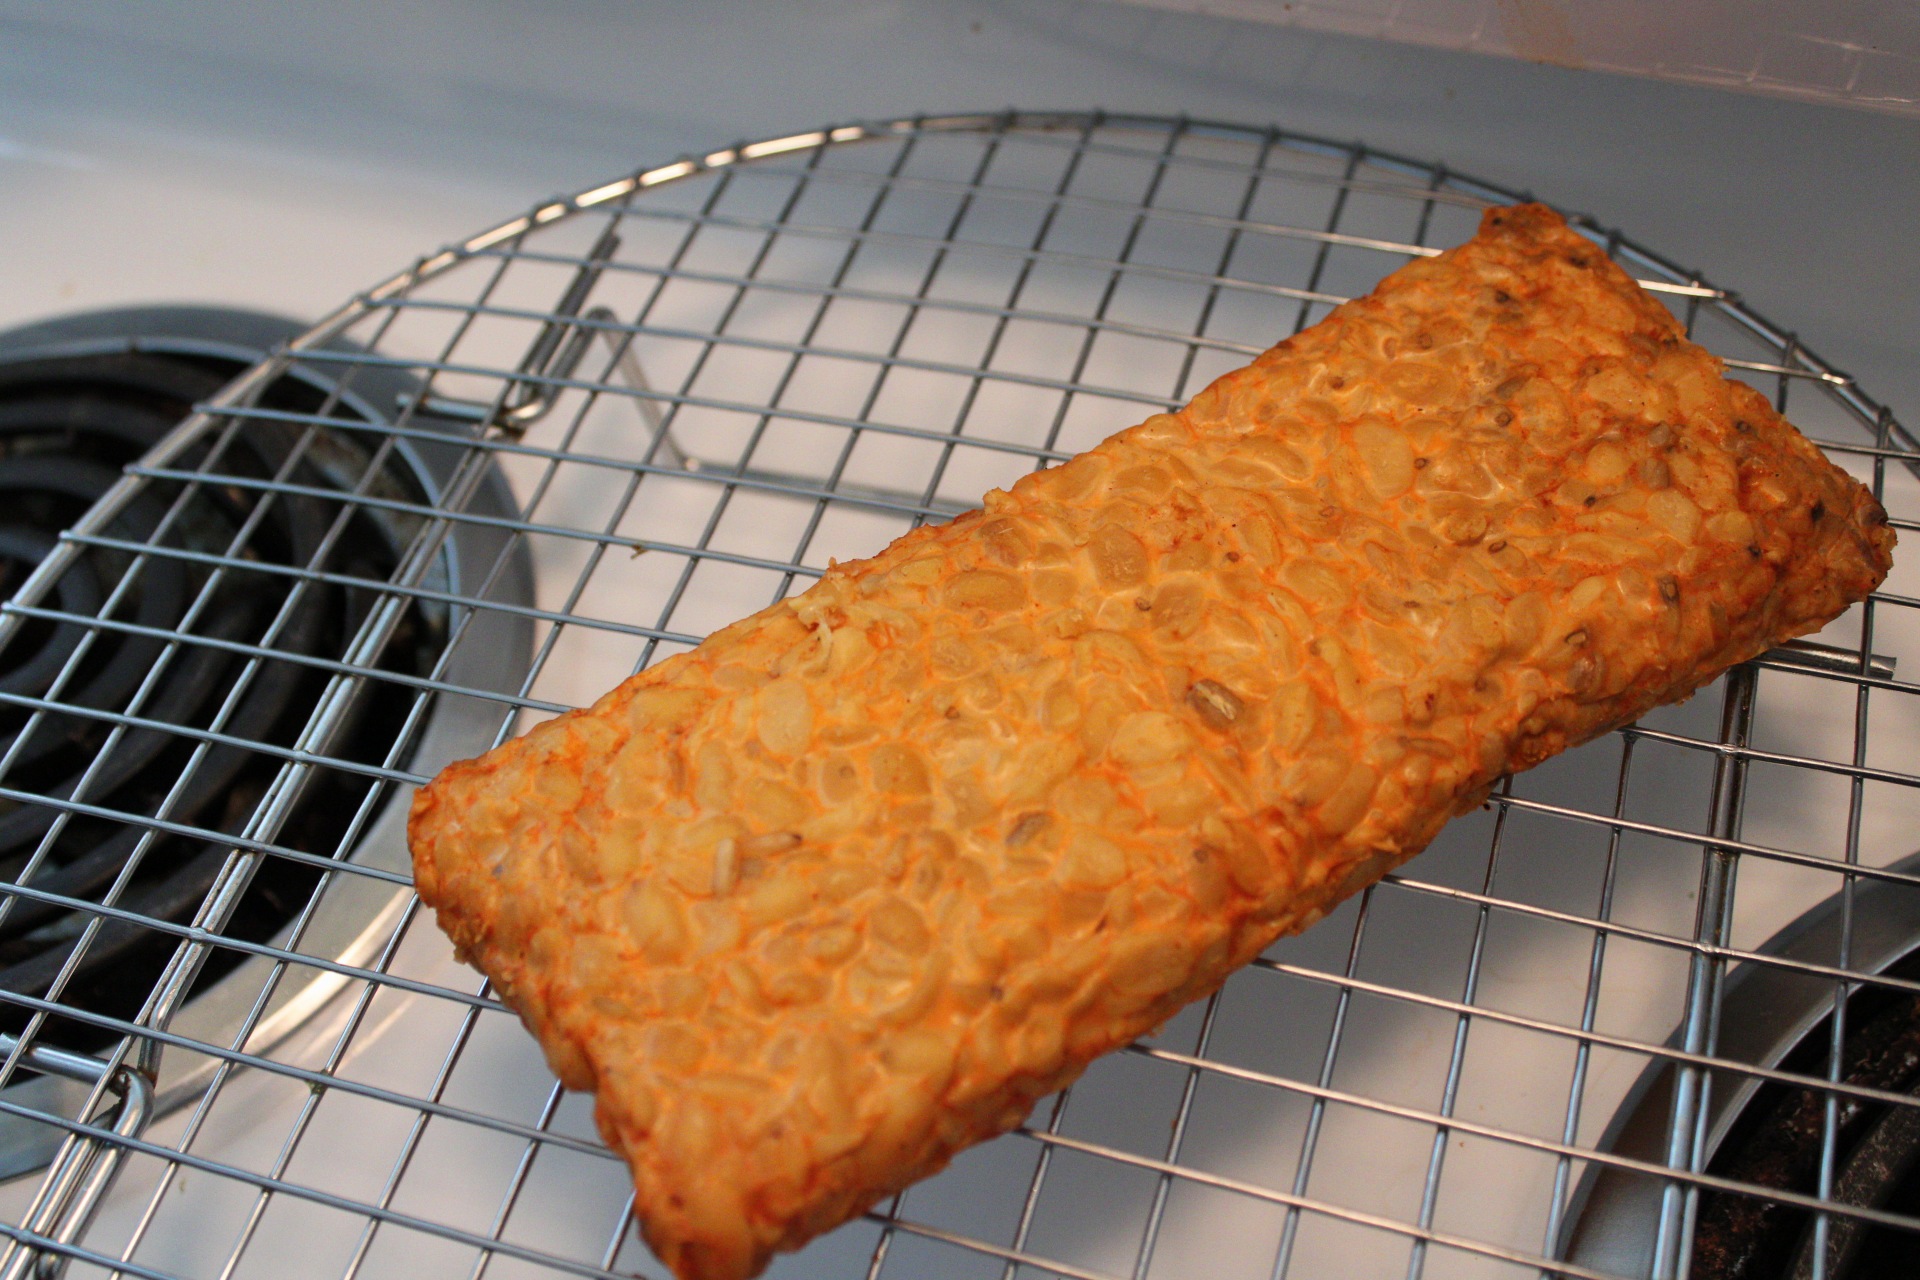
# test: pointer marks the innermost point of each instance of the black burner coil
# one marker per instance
(67, 427)
(1776, 1142)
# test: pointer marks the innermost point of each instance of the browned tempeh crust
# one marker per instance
(851, 885)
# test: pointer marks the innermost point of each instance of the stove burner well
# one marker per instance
(1776, 1142)
(66, 428)
(1770, 1134)
(188, 637)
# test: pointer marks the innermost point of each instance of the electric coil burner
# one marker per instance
(113, 715)
(1776, 1142)
(1857, 1141)
(68, 428)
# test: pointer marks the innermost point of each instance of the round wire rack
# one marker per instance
(704, 381)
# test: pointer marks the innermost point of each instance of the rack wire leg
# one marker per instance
(1686, 1128)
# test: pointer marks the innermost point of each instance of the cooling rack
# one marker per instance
(704, 381)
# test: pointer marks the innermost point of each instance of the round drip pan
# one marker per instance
(80, 399)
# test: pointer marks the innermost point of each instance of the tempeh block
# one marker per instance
(853, 884)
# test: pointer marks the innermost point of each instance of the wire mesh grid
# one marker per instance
(702, 383)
